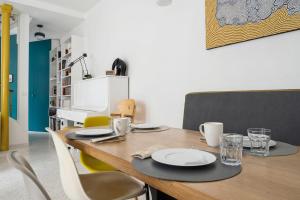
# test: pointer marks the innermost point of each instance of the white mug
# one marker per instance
(212, 132)
(121, 125)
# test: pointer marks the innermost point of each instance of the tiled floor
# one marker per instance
(42, 156)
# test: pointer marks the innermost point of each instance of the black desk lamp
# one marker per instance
(79, 59)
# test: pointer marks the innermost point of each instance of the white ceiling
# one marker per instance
(58, 16)
(78, 5)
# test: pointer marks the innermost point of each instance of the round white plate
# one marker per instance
(183, 157)
(247, 144)
(144, 126)
(94, 132)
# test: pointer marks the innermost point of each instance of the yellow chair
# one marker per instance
(89, 162)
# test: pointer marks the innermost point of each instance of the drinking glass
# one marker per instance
(259, 141)
(231, 149)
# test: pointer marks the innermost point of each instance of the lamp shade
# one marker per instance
(39, 35)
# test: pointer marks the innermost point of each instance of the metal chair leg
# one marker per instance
(147, 191)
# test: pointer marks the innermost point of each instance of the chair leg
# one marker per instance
(147, 191)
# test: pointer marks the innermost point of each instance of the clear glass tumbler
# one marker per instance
(231, 149)
(259, 141)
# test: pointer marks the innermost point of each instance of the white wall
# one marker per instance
(165, 51)
(18, 128)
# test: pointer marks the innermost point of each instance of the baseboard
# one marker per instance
(37, 132)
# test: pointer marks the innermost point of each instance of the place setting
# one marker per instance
(147, 128)
(259, 143)
(87, 134)
(190, 164)
(184, 164)
(95, 135)
(196, 165)
(115, 133)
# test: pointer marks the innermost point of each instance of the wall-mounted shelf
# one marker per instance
(67, 55)
(69, 76)
(66, 68)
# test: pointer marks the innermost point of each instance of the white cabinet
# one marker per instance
(96, 96)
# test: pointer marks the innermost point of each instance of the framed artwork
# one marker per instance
(233, 21)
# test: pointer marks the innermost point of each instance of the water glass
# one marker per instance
(259, 141)
(231, 149)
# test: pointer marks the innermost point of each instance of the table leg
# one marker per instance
(159, 195)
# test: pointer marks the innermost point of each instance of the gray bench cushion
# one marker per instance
(277, 110)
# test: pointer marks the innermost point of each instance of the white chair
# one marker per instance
(102, 186)
(32, 184)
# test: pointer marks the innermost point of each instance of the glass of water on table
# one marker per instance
(231, 149)
(259, 141)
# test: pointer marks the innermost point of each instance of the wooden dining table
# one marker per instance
(274, 178)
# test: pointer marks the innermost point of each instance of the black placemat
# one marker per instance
(213, 172)
(74, 136)
(281, 149)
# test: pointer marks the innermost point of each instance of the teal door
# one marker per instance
(13, 69)
(39, 85)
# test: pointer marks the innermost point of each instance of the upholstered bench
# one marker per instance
(278, 110)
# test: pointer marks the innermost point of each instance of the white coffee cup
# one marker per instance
(121, 125)
(212, 132)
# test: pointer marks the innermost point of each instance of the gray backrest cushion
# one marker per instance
(277, 110)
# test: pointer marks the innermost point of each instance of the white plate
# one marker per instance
(144, 126)
(94, 132)
(247, 144)
(183, 157)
